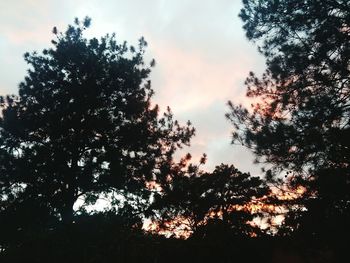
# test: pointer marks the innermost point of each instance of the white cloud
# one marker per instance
(201, 52)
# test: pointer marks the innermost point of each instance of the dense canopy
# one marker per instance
(300, 123)
(83, 125)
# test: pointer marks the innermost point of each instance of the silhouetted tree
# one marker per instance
(208, 201)
(82, 125)
(229, 195)
(300, 123)
(179, 203)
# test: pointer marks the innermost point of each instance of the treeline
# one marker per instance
(83, 128)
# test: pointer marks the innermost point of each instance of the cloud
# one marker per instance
(214, 138)
(188, 80)
(200, 48)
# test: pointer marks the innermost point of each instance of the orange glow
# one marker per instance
(284, 194)
(180, 227)
(152, 185)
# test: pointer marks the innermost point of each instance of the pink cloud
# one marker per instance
(197, 87)
(187, 81)
(31, 21)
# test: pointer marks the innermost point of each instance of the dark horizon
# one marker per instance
(94, 168)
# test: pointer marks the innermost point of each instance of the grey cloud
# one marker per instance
(209, 31)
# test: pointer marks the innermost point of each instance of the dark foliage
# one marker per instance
(110, 238)
(212, 204)
(301, 121)
(82, 126)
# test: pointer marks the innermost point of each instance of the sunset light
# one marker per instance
(174, 131)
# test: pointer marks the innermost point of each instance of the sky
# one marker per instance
(201, 52)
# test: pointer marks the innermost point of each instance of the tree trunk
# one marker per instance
(67, 211)
(69, 197)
